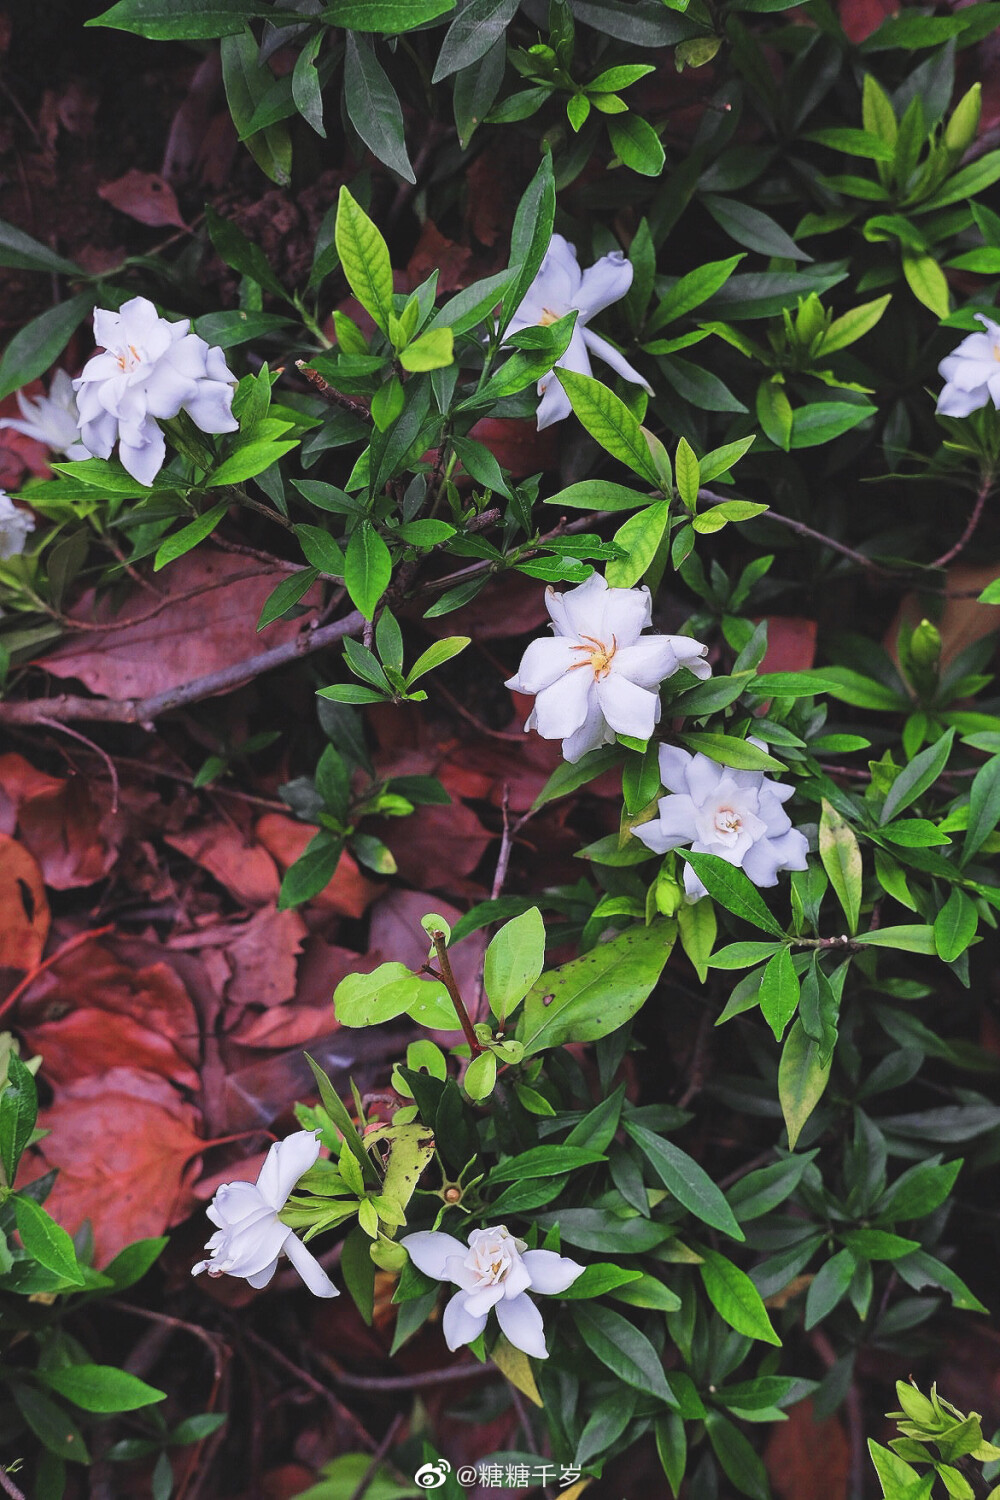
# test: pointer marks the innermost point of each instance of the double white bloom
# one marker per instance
(715, 810)
(972, 373)
(493, 1270)
(150, 368)
(52, 419)
(251, 1238)
(559, 288)
(15, 525)
(597, 677)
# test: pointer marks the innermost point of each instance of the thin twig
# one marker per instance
(983, 494)
(801, 529)
(332, 397)
(421, 1381)
(46, 963)
(76, 735)
(378, 1456)
(310, 1381)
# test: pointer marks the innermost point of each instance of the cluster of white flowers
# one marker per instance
(149, 371)
(250, 1238)
(15, 524)
(496, 1271)
(714, 809)
(599, 676)
(52, 419)
(559, 288)
(971, 373)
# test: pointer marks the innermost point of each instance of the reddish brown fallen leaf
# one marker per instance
(134, 660)
(263, 958)
(91, 1011)
(144, 196)
(71, 831)
(349, 893)
(860, 18)
(791, 644)
(434, 252)
(24, 911)
(808, 1457)
(244, 868)
(518, 446)
(126, 1146)
(963, 622)
(286, 1026)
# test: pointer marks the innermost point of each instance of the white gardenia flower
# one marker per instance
(251, 1238)
(717, 810)
(597, 677)
(493, 1270)
(972, 372)
(558, 288)
(15, 524)
(52, 419)
(150, 368)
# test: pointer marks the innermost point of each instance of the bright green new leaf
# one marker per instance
(514, 960)
(802, 1078)
(735, 1298)
(841, 856)
(364, 256)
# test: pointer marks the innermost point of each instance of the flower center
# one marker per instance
(128, 358)
(548, 316)
(728, 821)
(996, 352)
(599, 656)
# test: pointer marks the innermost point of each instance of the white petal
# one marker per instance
(704, 777)
(521, 1322)
(106, 326)
(692, 885)
(628, 709)
(167, 390)
(793, 847)
(649, 662)
(677, 820)
(518, 1278)
(459, 1327)
(761, 862)
(479, 1300)
(559, 276)
(591, 735)
(309, 1268)
(285, 1163)
(955, 403)
(554, 406)
(430, 1249)
(550, 1273)
(562, 707)
(652, 836)
(211, 408)
(580, 610)
(606, 281)
(627, 612)
(610, 355)
(543, 662)
(145, 462)
(262, 1278)
(674, 763)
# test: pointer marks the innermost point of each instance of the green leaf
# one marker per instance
(53, 1426)
(100, 1387)
(46, 1240)
(431, 351)
(319, 549)
(735, 1298)
(853, 325)
(476, 28)
(829, 1286)
(686, 469)
(984, 807)
(21, 252)
(285, 596)
(591, 996)
(368, 569)
(247, 462)
(179, 20)
(623, 1350)
(514, 960)
(841, 856)
(250, 87)
(389, 17)
(689, 1183)
(375, 112)
(609, 422)
(18, 1113)
(779, 992)
(728, 751)
(914, 779)
(189, 536)
(736, 1457)
(927, 282)
(475, 91)
(481, 1076)
(436, 656)
(365, 259)
(36, 347)
(752, 227)
(955, 926)
(733, 889)
(131, 1264)
(233, 246)
(531, 234)
(908, 939)
(315, 866)
(802, 1079)
(637, 144)
(639, 538)
(822, 421)
(544, 1161)
(774, 413)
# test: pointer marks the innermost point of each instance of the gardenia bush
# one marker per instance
(712, 1132)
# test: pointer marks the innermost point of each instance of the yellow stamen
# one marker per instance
(599, 657)
(548, 316)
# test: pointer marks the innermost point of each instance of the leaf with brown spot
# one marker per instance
(145, 197)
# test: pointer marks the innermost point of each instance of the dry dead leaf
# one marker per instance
(808, 1457)
(135, 660)
(24, 911)
(245, 868)
(144, 196)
